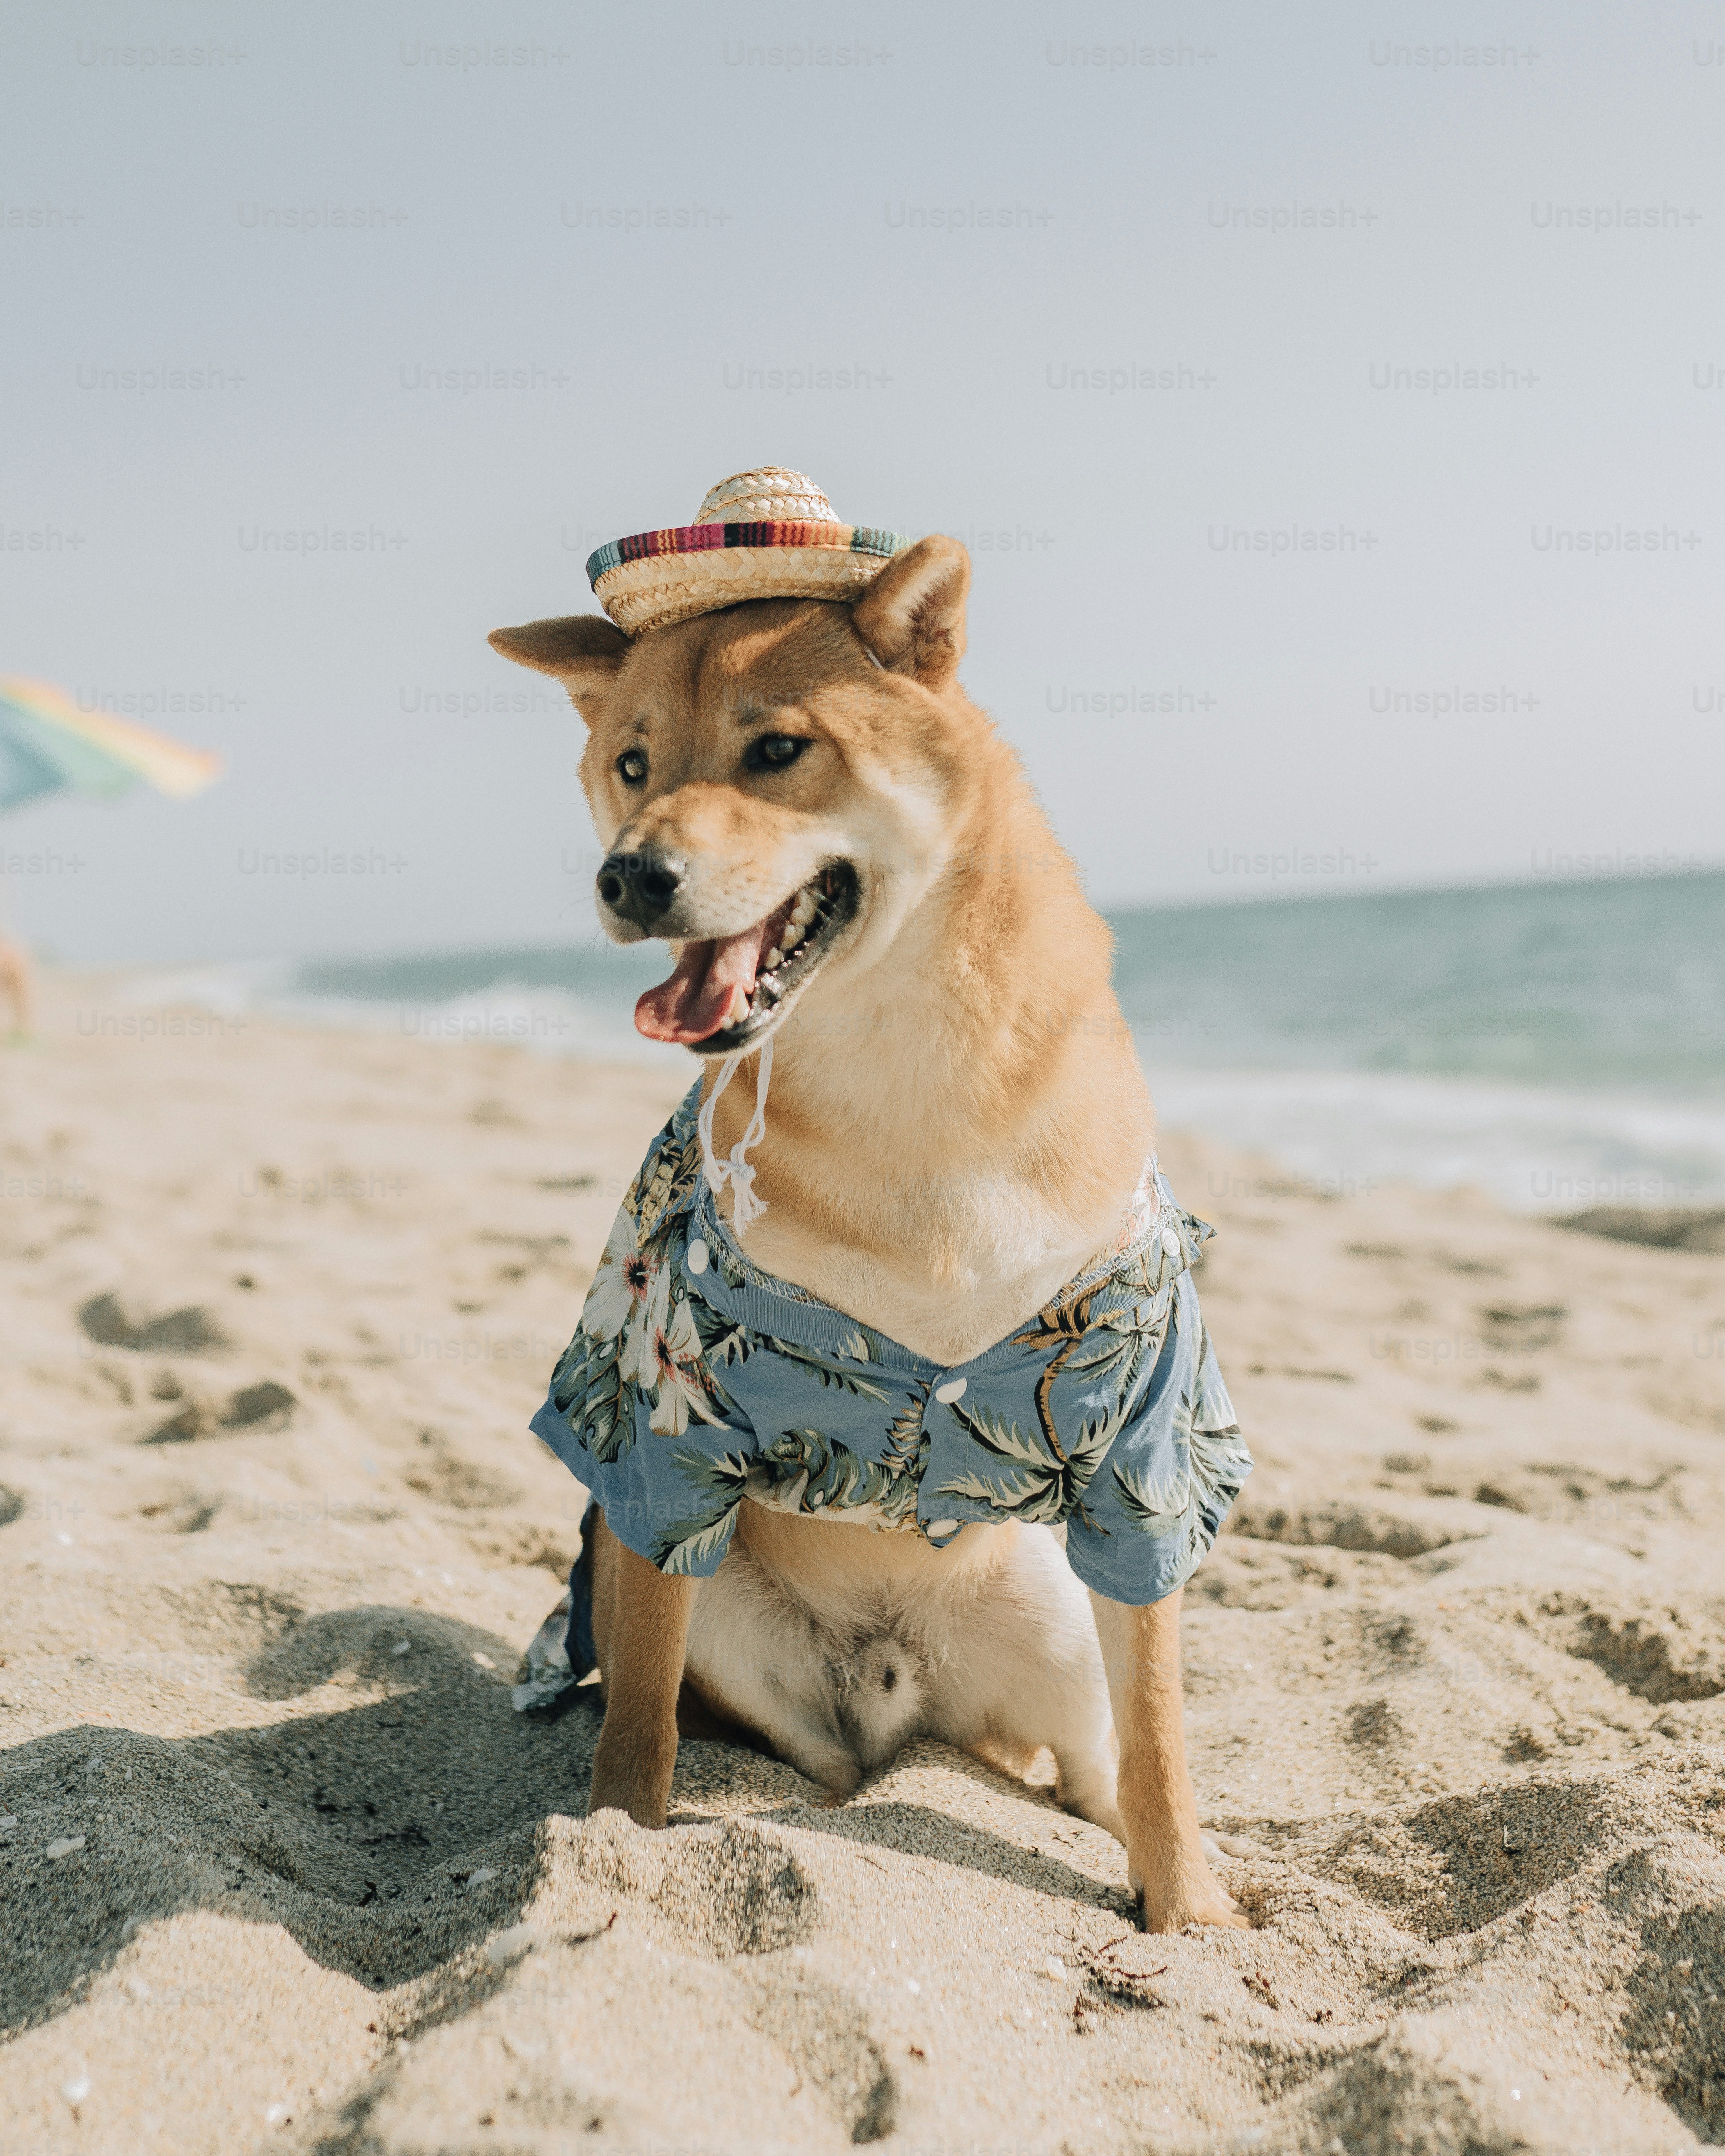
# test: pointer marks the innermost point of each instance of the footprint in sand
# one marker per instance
(253, 1406)
(188, 1331)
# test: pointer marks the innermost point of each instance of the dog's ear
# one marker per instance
(582, 651)
(912, 617)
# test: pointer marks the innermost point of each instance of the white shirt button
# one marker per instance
(1171, 1242)
(697, 1256)
(953, 1389)
(943, 1528)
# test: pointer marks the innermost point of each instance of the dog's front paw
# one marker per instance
(627, 1778)
(1187, 1894)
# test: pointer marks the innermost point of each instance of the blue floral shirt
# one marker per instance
(696, 1381)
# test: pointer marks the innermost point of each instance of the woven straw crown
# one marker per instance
(769, 534)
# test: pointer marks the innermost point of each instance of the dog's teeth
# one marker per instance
(789, 937)
(769, 987)
(803, 912)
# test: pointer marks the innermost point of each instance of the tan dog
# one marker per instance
(958, 1121)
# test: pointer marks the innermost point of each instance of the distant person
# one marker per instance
(17, 985)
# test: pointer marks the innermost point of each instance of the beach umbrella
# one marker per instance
(48, 746)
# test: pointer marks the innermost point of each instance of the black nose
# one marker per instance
(642, 886)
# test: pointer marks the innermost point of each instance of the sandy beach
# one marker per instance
(283, 1870)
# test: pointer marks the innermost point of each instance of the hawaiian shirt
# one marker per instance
(696, 1381)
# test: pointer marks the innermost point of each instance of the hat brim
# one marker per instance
(654, 578)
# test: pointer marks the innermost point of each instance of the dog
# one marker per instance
(854, 877)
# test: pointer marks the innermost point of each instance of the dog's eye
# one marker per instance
(632, 767)
(774, 751)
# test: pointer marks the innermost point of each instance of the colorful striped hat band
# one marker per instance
(769, 534)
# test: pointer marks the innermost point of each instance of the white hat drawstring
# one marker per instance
(745, 1207)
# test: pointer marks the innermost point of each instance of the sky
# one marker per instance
(1332, 400)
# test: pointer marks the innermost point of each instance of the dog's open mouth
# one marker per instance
(729, 992)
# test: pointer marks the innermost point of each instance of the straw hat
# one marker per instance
(769, 534)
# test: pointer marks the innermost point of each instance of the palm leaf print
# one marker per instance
(818, 1367)
(590, 1390)
(1114, 1345)
(1049, 1481)
(833, 1477)
(685, 1543)
(1157, 1506)
(1119, 1343)
(663, 1191)
(907, 1438)
(1061, 1325)
(645, 1175)
(1220, 1465)
(721, 1341)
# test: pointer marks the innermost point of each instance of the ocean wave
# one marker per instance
(1558, 1045)
(1534, 1149)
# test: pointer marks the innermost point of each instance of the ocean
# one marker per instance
(1559, 1044)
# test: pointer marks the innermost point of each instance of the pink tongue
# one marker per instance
(694, 1001)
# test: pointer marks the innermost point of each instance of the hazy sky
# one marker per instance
(1097, 290)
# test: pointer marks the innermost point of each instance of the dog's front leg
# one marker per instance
(640, 1629)
(1140, 1652)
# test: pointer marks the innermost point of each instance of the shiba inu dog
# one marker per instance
(849, 865)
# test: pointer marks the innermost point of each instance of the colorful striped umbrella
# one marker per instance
(48, 744)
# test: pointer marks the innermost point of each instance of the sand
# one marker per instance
(280, 1868)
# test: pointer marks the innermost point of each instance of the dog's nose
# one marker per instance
(641, 886)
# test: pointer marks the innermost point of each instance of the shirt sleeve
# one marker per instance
(644, 1409)
(1156, 1504)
